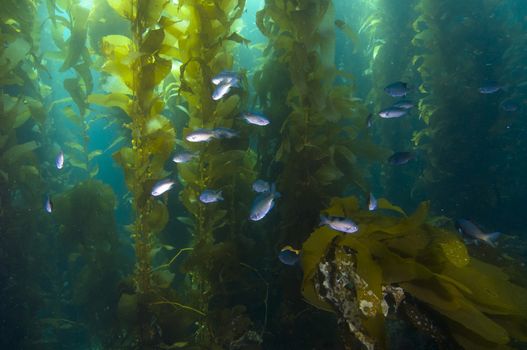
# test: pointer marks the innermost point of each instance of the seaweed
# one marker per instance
(407, 258)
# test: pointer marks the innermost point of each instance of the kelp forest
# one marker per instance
(263, 174)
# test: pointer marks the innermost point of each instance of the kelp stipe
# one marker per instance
(316, 152)
(206, 38)
(451, 77)
(74, 56)
(136, 61)
(403, 262)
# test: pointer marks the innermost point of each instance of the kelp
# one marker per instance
(319, 148)
(352, 275)
(21, 185)
(75, 56)
(389, 60)
(204, 34)
(454, 76)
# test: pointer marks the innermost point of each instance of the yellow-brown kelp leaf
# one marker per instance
(238, 38)
(154, 73)
(13, 54)
(85, 73)
(490, 288)
(78, 163)
(118, 100)
(447, 300)
(383, 203)
(125, 157)
(454, 250)
(226, 107)
(156, 216)
(76, 93)
(72, 115)
(149, 11)
(152, 42)
(14, 153)
(328, 174)
(77, 40)
(312, 252)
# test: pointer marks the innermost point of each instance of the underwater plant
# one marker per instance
(22, 116)
(459, 118)
(401, 265)
(70, 17)
(320, 144)
(389, 54)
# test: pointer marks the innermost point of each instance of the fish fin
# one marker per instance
(491, 238)
(274, 192)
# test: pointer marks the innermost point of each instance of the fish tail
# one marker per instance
(323, 220)
(492, 238)
(274, 192)
(220, 195)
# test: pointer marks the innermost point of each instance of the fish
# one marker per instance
(404, 104)
(210, 196)
(255, 119)
(225, 77)
(162, 186)
(201, 135)
(184, 157)
(220, 91)
(397, 89)
(490, 87)
(289, 256)
(510, 106)
(59, 160)
(339, 223)
(48, 205)
(261, 186)
(400, 158)
(225, 133)
(263, 203)
(372, 202)
(469, 229)
(393, 112)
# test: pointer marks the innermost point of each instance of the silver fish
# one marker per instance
(256, 119)
(400, 158)
(404, 104)
(225, 77)
(210, 196)
(48, 205)
(468, 228)
(261, 186)
(201, 135)
(393, 112)
(491, 87)
(509, 106)
(59, 160)
(263, 203)
(339, 223)
(162, 186)
(397, 89)
(220, 91)
(184, 157)
(372, 202)
(225, 133)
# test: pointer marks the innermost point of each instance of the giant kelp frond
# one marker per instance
(353, 274)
